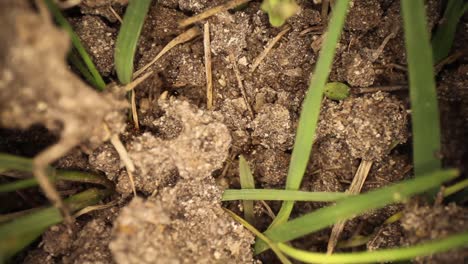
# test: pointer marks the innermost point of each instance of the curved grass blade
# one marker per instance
(379, 256)
(259, 234)
(423, 97)
(355, 205)
(282, 195)
(311, 109)
(445, 33)
(62, 21)
(17, 234)
(127, 39)
(247, 182)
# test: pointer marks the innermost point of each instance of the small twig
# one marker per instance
(208, 73)
(212, 11)
(267, 49)
(355, 188)
(115, 14)
(182, 38)
(123, 154)
(240, 84)
(375, 89)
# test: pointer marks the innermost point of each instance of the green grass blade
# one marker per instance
(18, 185)
(379, 256)
(128, 38)
(62, 21)
(445, 33)
(252, 229)
(75, 60)
(11, 162)
(17, 234)
(247, 182)
(311, 108)
(424, 107)
(282, 195)
(355, 205)
(456, 188)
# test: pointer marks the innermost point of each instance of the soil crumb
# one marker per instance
(423, 223)
(183, 224)
(370, 125)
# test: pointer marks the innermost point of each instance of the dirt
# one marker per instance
(185, 155)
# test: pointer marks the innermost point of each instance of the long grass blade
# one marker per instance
(62, 21)
(247, 182)
(424, 107)
(282, 195)
(311, 109)
(352, 206)
(445, 34)
(17, 234)
(127, 39)
(379, 256)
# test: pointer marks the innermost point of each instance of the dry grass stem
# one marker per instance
(134, 110)
(267, 49)
(129, 87)
(212, 11)
(355, 188)
(208, 72)
(240, 84)
(182, 38)
(270, 212)
(92, 208)
(115, 14)
(123, 154)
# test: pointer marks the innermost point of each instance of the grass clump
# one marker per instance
(16, 234)
(355, 205)
(20, 232)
